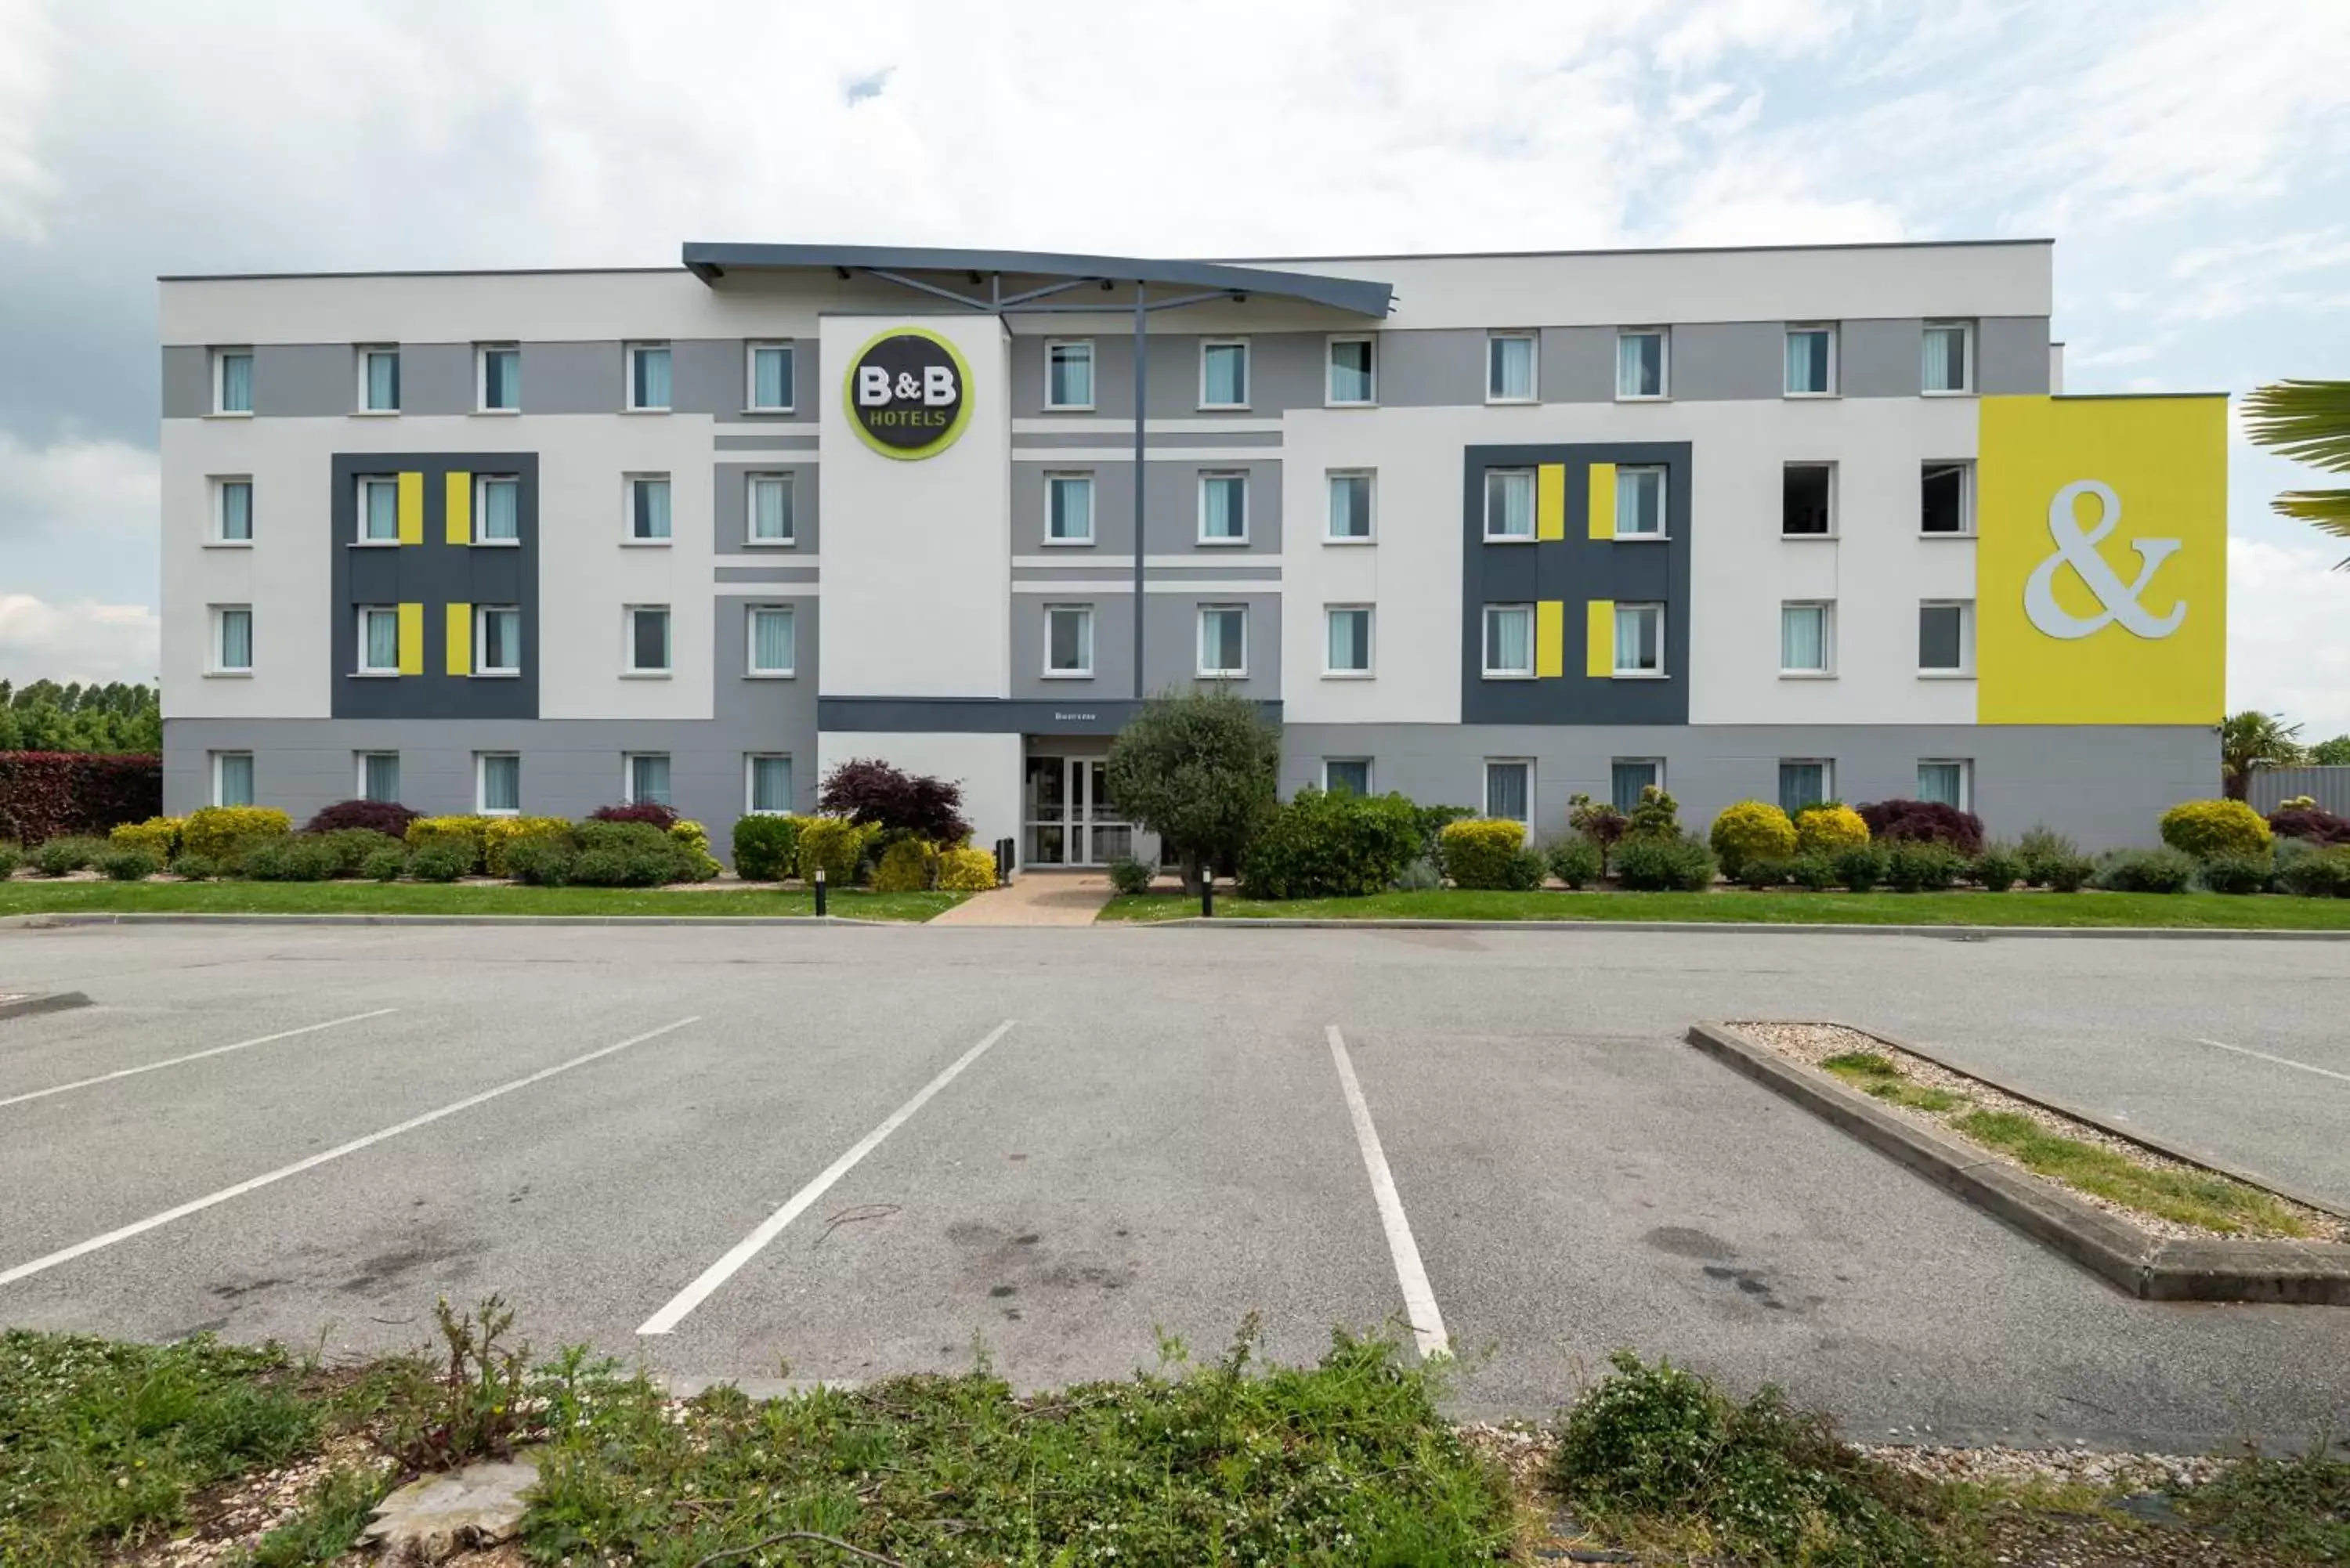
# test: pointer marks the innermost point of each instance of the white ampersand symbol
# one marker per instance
(907, 385)
(2078, 551)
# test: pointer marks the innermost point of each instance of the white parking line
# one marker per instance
(138, 1228)
(719, 1273)
(1418, 1300)
(2280, 1061)
(191, 1056)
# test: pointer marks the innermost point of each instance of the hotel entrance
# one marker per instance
(1067, 815)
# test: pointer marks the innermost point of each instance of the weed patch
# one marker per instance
(2299, 1506)
(1867, 1071)
(2201, 1198)
(328, 1524)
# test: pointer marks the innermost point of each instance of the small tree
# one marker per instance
(1598, 821)
(2252, 739)
(869, 790)
(2332, 753)
(1202, 771)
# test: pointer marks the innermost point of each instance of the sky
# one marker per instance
(2191, 161)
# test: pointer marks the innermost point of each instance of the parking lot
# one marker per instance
(847, 1152)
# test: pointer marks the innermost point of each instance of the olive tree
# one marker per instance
(1201, 770)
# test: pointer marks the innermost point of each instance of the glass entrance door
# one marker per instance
(1070, 818)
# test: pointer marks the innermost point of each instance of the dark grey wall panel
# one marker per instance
(2011, 355)
(571, 378)
(1113, 647)
(305, 381)
(1171, 500)
(1418, 369)
(187, 383)
(706, 376)
(437, 378)
(1113, 545)
(1882, 357)
(730, 504)
(1170, 643)
(762, 713)
(1284, 372)
(1578, 364)
(1729, 359)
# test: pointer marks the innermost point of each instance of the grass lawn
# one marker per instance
(39, 896)
(1736, 906)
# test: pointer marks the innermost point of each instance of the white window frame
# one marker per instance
(1834, 478)
(629, 775)
(1827, 667)
(1661, 672)
(629, 538)
(359, 654)
(364, 352)
(1828, 773)
(1248, 373)
(252, 770)
(1200, 641)
(481, 482)
(751, 669)
(1486, 643)
(629, 403)
(359, 768)
(1966, 467)
(482, 614)
(1226, 541)
(1657, 763)
(1664, 502)
(751, 403)
(1534, 499)
(1966, 386)
(221, 356)
(1371, 478)
(751, 482)
(1485, 787)
(1065, 475)
(1664, 392)
(360, 500)
(1370, 641)
(482, 784)
(1532, 341)
(217, 537)
(629, 669)
(482, 352)
(216, 626)
(1966, 766)
(1088, 672)
(1370, 772)
(1330, 343)
(1834, 359)
(1093, 375)
(1965, 670)
(750, 761)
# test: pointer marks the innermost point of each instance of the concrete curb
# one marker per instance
(200, 918)
(2151, 1268)
(1762, 927)
(54, 1002)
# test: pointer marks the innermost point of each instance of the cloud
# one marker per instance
(25, 187)
(84, 641)
(856, 89)
(2286, 654)
(82, 489)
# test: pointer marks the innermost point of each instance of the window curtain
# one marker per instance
(1073, 509)
(1938, 782)
(1946, 358)
(770, 509)
(1801, 785)
(382, 509)
(383, 776)
(1802, 637)
(1073, 376)
(236, 640)
(771, 378)
(1072, 632)
(500, 640)
(1222, 507)
(1640, 501)
(382, 639)
(1222, 639)
(502, 783)
(501, 510)
(237, 511)
(1227, 374)
(1635, 639)
(1350, 636)
(1505, 790)
(1353, 777)
(771, 640)
(1807, 361)
(652, 639)
(652, 379)
(1513, 368)
(1639, 369)
(383, 380)
(1627, 780)
(771, 783)
(1350, 372)
(236, 778)
(501, 378)
(1509, 640)
(236, 383)
(652, 508)
(1510, 505)
(1350, 506)
(649, 779)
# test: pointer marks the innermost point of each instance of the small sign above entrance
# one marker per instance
(907, 393)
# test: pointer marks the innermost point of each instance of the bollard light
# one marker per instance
(820, 891)
(1208, 892)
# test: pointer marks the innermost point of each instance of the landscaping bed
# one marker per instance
(31, 896)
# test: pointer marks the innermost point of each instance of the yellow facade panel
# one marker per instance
(411, 509)
(1550, 501)
(459, 528)
(1600, 638)
(412, 636)
(1603, 506)
(461, 639)
(1550, 639)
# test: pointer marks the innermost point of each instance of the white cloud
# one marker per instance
(85, 641)
(25, 50)
(2286, 654)
(87, 489)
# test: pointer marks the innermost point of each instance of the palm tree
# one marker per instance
(2308, 421)
(2250, 740)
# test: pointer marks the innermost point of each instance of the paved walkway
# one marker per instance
(1035, 898)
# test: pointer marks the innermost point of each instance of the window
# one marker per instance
(1805, 638)
(1068, 640)
(379, 640)
(231, 512)
(231, 778)
(767, 373)
(1804, 782)
(378, 380)
(1628, 776)
(1510, 367)
(1224, 374)
(497, 640)
(1640, 639)
(1069, 374)
(1948, 781)
(1639, 503)
(497, 509)
(1948, 367)
(1350, 507)
(500, 389)
(1509, 642)
(647, 648)
(1946, 637)
(1069, 509)
(233, 394)
(767, 783)
(1223, 508)
(773, 652)
(1640, 363)
(1946, 491)
(767, 507)
(644, 778)
(1807, 500)
(1346, 649)
(649, 377)
(1510, 790)
(649, 508)
(379, 775)
(497, 783)
(1353, 378)
(1811, 361)
(232, 639)
(1351, 774)
(1223, 640)
(379, 510)
(1508, 503)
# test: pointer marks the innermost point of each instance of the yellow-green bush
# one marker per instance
(833, 843)
(2204, 828)
(695, 839)
(501, 834)
(222, 833)
(468, 835)
(1479, 852)
(1829, 830)
(159, 836)
(906, 866)
(1750, 831)
(966, 870)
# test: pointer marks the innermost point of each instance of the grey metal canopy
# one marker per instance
(896, 263)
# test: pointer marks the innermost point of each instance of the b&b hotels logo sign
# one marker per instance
(909, 393)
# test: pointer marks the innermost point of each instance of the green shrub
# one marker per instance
(194, 867)
(159, 836)
(386, 864)
(2204, 828)
(1432, 821)
(125, 864)
(2068, 873)
(64, 856)
(695, 840)
(445, 860)
(906, 866)
(1654, 814)
(967, 868)
(541, 860)
(1816, 871)
(2323, 875)
(1921, 866)
(1128, 875)
(1998, 868)
(2236, 873)
(621, 867)
(501, 834)
(1750, 830)
(1598, 821)
(1327, 845)
(220, 833)
(352, 846)
(2040, 849)
(1476, 852)
(1764, 873)
(1861, 867)
(467, 835)
(2164, 870)
(1681, 863)
(289, 859)
(10, 858)
(643, 845)
(1575, 861)
(1829, 828)
(1420, 876)
(834, 845)
(765, 847)
(1524, 871)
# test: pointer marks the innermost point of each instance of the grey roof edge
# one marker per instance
(1655, 251)
(411, 271)
(1358, 297)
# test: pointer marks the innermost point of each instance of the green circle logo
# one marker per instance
(907, 393)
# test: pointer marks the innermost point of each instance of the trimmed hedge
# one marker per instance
(2323, 875)
(1927, 822)
(1921, 864)
(2204, 828)
(836, 845)
(906, 866)
(388, 818)
(2162, 871)
(1747, 831)
(468, 836)
(159, 836)
(766, 848)
(58, 795)
(966, 869)
(351, 847)
(221, 834)
(444, 860)
(64, 856)
(124, 864)
(1325, 845)
(1681, 864)
(1479, 851)
(502, 833)
(693, 838)
(637, 854)
(1829, 829)
(1575, 861)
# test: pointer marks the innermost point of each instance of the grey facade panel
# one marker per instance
(437, 378)
(779, 573)
(2011, 355)
(764, 713)
(1072, 714)
(1113, 675)
(1171, 500)
(1112, 550)
(1881, 357)
(1284, 372)
(571, 378)
(1045, 445)
(2329, 786)
(187, 383)
(1578, 364)
(730, 507)
(705, 376)
(1170, 643)
(1418, 370)
(305, 381)
(776, 441)
(1728, 359)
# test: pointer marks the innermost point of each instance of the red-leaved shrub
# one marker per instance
(867, 790)
(60, 795)
(1924, 821)
(659, 815)
(2311, 823)
(378, 815)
